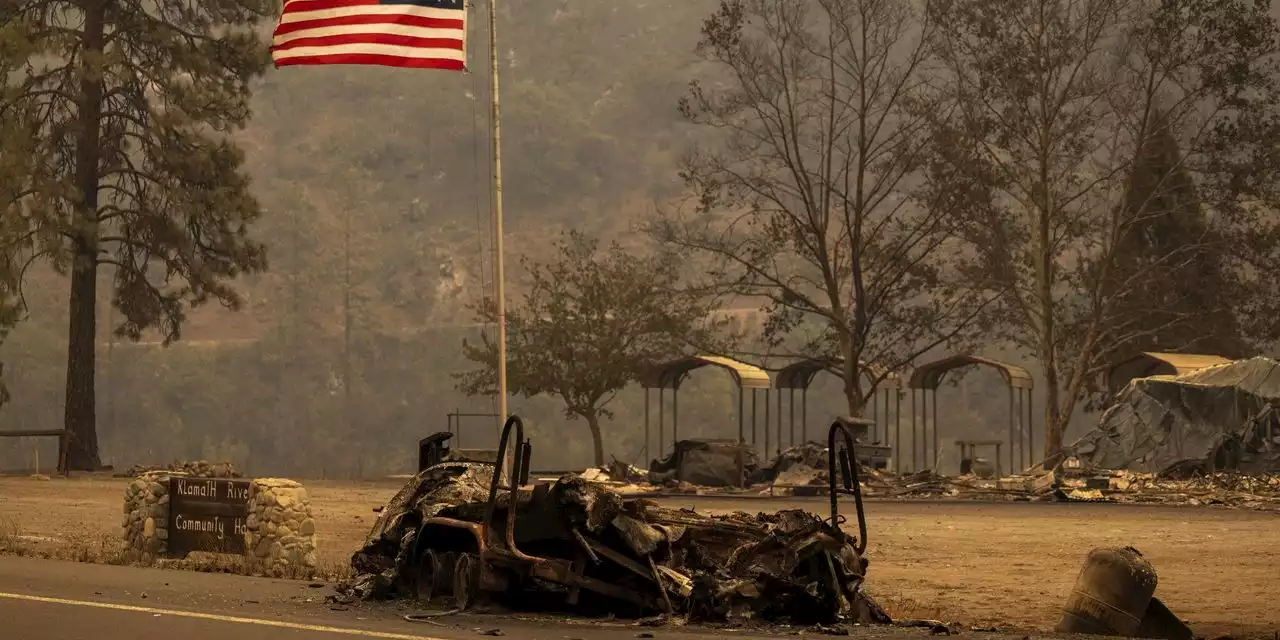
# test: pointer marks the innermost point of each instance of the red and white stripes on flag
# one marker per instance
(421, 34)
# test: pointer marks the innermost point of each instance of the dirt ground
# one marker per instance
(1007, 564)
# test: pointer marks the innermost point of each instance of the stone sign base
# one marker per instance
(280, 536)
(282, 533)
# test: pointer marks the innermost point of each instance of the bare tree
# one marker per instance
(808, 187)
(1060, 107)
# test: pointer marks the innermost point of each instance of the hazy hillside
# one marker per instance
(590, 133)
(591, 138)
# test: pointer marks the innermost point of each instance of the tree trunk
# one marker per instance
(1045, 307)
(1054, 426)
(852, 373)
(80, 416)
(597, 440)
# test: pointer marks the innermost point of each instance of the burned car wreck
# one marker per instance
(457, 531)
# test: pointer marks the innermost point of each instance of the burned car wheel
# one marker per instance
(466, 581)
(428, 576)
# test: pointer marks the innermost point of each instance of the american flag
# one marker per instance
(422, 34)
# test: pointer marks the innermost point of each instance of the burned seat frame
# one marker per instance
(467, 559)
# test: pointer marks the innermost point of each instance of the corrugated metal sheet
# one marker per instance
(1154, 363)
(1187, 362)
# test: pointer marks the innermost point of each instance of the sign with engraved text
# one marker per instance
(207, 514)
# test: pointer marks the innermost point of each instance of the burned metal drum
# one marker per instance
(1111, 595)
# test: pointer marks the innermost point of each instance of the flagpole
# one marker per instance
(499, 275)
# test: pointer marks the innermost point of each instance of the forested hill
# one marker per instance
(590, 138)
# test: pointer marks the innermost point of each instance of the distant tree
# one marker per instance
(589, 324)
(8, 316)
(807, 184)
(1194, 295)
(133, 166)
(1061, 161)
(15, 159)
(1187, 300)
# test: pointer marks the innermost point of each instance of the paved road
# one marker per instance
(49, 600)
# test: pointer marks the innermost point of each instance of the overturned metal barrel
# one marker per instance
(1111, 595)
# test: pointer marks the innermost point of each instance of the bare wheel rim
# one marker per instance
(428, 576)
(463, 581)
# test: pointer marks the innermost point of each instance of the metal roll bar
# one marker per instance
(519, 468)
(848, 478)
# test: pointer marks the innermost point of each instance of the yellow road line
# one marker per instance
(216, 617)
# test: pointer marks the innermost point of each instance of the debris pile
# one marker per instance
(624, 478)
(926, 484)
(1213, 419)
(797, 477)
(1232, 489)
(810, 454)
(800, 470)
(635, 556)
(706, 463)
(1065, 484)
(620, 471)
(195, 469)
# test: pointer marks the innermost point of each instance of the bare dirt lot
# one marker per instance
(1006, 564)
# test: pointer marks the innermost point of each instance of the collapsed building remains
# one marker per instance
(708, 463)
(1213, 419)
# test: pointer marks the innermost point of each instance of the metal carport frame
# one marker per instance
(927, 377)
(671, 374)
(800, 375)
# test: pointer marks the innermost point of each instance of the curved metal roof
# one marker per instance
(669, 375)
(930, 374)
(1153, 363)
(800, 374)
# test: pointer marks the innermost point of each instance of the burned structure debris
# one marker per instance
(733, 464)
(1213, 419)
(458, 531)
(706, 463)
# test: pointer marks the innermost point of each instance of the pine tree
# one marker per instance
(1170, 243)
(133, 167)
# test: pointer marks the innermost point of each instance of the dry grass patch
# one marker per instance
(11, 542)
(95, 547)
(85, 546)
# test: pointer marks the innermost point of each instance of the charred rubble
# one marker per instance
(1221, 418)
(634, 557)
